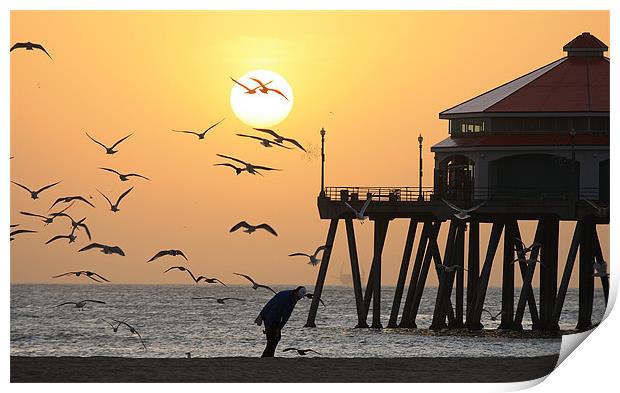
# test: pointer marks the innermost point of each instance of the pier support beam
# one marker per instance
(548, 270)
(320, 279)
(381, 227)
(355, 273)
(473, 268)
(527, 273)
(414, 281)
(445, 280)
(508, 277)
(586, 275)
(460, 273)
(598, 254)
(402, 275)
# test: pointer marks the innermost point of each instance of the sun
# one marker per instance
(257, 109)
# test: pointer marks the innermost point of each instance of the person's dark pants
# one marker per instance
(273, 338)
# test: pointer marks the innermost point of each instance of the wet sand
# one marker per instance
(111, 369)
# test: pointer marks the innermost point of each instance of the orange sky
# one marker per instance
(384, 75)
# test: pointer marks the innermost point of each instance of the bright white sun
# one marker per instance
(257, 106)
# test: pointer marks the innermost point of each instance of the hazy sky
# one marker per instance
(384, 75)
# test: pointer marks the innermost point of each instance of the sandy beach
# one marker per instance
(112, 369)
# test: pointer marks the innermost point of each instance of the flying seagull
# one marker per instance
(167, 252)
(70, 199)
(108, 250)
(302, 352)
(248, 90)
(255, 285)
(30, 46)
(114, 327)
(18, 231)
(183, 269)
(71, 237)
(449, 269)
(249, 167)
(251, 228)
(219, 300)
(526, 249)
(81, 303)
(46, 219)
(132, 330)
(35, 194)
(528, 261)
(264, 142)
(237, 169)
(75, 225)
(279, 138)
(124, 177)
(360, 214)
(313, 259)
(109, 150)
(114, 207)
(311, 295)
(265, 90)
(600, 269)
(600, 211)
(210, 280)
(462, 214)
(87, 273)
(202, 134)
(493, 317)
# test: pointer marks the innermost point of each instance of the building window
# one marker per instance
(467, 126)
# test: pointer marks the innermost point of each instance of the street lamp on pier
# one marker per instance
(420, 194)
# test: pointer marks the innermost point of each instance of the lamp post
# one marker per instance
(420, 195)
(322, 161)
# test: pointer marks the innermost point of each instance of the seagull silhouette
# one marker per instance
(360, 214)
(237, 169)
(313, 259)
(279, 138)
(251, 228)
(493, 317)
(600, 211)
(200, 135)
(264, 142)
(86, 273)
(108, 250)
(114, 206)
(250, 168)
(49, 218)
(311, 295)
(114, 327)
(219, 300)
(527, 249)
(462, 214)
(183, 269)
(71, 237)
(29, 46)
(75, 225)
(132, 330)
(265, 90)
(109, 150)
(600, 269)
(301, 352)
(527, 261)
(17, 232)
(209, 280)
(80, 305)
(248, 90)
(70, 199)
(255, 285)
(124, 177)
(167, 252)
(35, 194)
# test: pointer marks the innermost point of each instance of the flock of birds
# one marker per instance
(267, 138)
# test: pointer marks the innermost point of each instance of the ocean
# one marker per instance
(172, 324)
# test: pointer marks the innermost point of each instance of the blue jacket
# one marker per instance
(278, 310)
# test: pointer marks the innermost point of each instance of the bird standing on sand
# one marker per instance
(35, 194)
(313, 259)
(80, 305)
(360, 214)
(30, 46)
(183, 269)
(493, 317)
(87, 273)
(219, 300)
(265, 90)
(462, 214)
(71, 199)
(301, 352)
(200, 135)
(279, 138)
(250, 168)
(18, 231)
(167, 252)
(132, 330)
(255, 285)
(251, 228)
(125, 177)
(109, 150)
(264, 142)
(114, 206)
(247, 89)
(108, 250)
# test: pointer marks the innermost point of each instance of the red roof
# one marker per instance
(585, 41)
(524, 140)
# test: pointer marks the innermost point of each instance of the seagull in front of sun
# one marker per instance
(600, 211)
(247, 89)
(167, 252)
(313, 259)
(124, 177)
(449, 269)
(280, 139)
(493, 317)
(250, 168)
(252, 228)
(114, 206)
(255, 285)
(80, 305)
(301, 352)
(219, 300)
(107, 250)
(264, 142)
(18, 231)
(200, 135)
(92, 275)
(600, 269)
(30, 46)
(132, 330)
(71, 199)
(265, 90)
(462, 214)
(360, 214)
(109, 150)
(35, 194)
